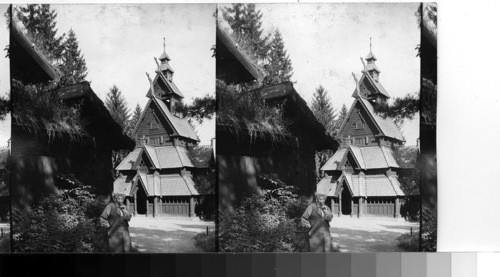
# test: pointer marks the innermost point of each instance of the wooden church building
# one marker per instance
(362, 176)
(157, 176)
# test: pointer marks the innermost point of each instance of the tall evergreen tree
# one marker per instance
(279, 68)
(40, 23)
(73, 67)
(135, 117)
(342, 116)
(117, 106)
(323, 109)
(246, 23)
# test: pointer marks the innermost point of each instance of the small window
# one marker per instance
(161, 139)
(360, 141)
(359, 125)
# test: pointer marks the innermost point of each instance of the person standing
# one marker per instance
(317, 217)
(116, 217)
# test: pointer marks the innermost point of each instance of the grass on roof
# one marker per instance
(248, 113)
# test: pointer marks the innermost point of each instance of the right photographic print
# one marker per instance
(326, 127)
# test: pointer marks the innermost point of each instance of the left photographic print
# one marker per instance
(112, 128)
(5, 120)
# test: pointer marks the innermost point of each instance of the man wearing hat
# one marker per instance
(317, 217)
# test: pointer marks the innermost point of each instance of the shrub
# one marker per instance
(408, 243)
(5, 244)
(64, 222)
(261, 224)
(205, 242)
(429, 230)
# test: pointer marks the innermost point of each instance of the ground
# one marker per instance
(369, 234)
(166, 235)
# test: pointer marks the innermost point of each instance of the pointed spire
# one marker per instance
(164, 55)
(371, 56)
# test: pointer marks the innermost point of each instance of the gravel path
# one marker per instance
(166, 235)
(369, 234)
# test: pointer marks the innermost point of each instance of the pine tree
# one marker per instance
(279, 68)
(117, 106)
(40, 23)
(135, 117)
(323, 109)
(246, 23)
(73, 67)
(342, 116)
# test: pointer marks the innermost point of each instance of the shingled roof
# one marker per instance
(362, 185)
(167, 184)
(168, 156)
(367, 157)
(386, 125)
(124, 185)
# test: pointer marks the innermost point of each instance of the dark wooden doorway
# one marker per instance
(142, 200)
(346, 200)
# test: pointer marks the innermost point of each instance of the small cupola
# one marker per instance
(371, 67)
(165, 67)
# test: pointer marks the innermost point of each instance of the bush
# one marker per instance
(5, 244)
(408, 243)
(429, 230)
(65, 222)
(261, 224)
(205, 242)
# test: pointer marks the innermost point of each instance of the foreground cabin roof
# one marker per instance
(101, 121)
(233, 66)
(286, 91)
(31, 66)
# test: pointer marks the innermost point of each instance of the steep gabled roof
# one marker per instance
(180, 126)
(131, 160)
(168, 83)
(124, 185)
(377, 86)
(386, 125)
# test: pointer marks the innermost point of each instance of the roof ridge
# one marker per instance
(392, 184)
(383, 154)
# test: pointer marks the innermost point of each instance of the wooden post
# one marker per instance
(397, 205)
(127, 203)
(155, 208)
(191, 206)
(352, 206)
(147, 207)
(360, 204)
(135, 203)
(340, 201)
(332, 205)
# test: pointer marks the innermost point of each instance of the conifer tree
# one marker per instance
(342, 116)
(73, 67)
(117, 106)
(135, 117)
(323, 109)
(246, 23)
(40, 23)
(279, 68)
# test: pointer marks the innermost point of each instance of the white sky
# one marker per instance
(119, 43)
(325, 41)
(4, 74)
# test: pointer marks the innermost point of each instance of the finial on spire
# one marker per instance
(370, 44)
(165, 50)
(164, 55)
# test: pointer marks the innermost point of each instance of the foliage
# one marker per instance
(64, 222)
(342, 115)
(408, 242)
(205, 184)
(279, 67)
(36, 109)
(429, 102)
(201, 108)
(406, 157)
(4, 106)
(323, 110)
(73, 67)
(5, 244)
(117, 106)
(265, 223)
(255, 120)
(429, 230)
(204, 241)
(40, 23)
(135, 119)
(405, 107)
(246, 23)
